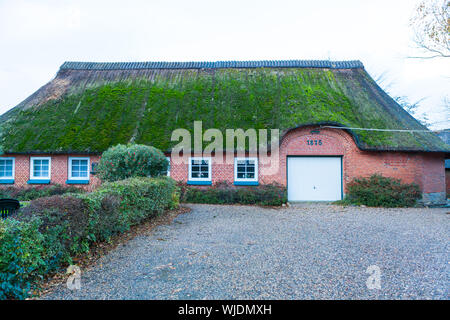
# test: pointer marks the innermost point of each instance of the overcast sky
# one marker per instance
(36, 37)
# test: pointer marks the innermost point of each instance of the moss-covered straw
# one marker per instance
(90, 110)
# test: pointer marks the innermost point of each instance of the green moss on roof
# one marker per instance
(90, 110)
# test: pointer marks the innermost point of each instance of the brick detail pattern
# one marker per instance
(447, 181)
(59, 170)
(425, 169)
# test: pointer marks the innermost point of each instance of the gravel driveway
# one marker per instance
(302, 252)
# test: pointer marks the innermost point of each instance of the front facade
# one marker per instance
(315, 164)
(57, 134)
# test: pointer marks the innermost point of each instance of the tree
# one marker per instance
(431, 25)
(411, 107)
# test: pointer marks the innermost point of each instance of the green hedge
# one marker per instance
(26, 194)
(43, 237)
(224, 193)
(134, 160)
(379, 191)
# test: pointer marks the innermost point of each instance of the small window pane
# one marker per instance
(6, 168)
(245, 169)
(80, 168)
(200, 168)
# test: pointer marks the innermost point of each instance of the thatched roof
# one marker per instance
(88, 107)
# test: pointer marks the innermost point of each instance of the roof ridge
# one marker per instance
(328, 64)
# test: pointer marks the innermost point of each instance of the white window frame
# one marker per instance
(209, 169)
(168, 167)
(13, 168)
(70, 168)
(32, 177)
(255, 179)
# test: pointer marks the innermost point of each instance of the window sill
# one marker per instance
(77, 182)
(6, 181)
(246, 183)
(199, 183)
(38, 181)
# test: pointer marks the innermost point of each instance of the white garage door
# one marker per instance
(314, 178)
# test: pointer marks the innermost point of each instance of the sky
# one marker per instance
(36, 37)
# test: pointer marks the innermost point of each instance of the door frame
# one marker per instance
(314, 156)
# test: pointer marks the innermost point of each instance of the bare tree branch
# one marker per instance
(431, 24)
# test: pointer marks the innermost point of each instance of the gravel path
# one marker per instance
(302, 252)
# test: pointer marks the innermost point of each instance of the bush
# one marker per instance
(132, 201)
(122, 162)
(45, 236)
(224, 193)
(21, 257)
(26, 194)
(63, 222)
(379, 191)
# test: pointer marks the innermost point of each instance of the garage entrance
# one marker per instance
(314, 178)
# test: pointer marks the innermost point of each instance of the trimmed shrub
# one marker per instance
(27, 194)
(379, 191)
(225, 193)
(21, 257)
(125, 161)
(63, 222)
(47, 234)
(136, 199)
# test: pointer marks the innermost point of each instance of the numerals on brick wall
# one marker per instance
(314, 142)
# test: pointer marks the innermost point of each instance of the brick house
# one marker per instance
(335, 122)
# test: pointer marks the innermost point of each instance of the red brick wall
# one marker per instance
(447, 181)
(59, 170)
(425, 169)
(221, 170)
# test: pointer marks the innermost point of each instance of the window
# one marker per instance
(246, 169)
(40, 168)
(78, 168)
(168, 166)
(94, 167)
(200, 169)
(6, 168)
